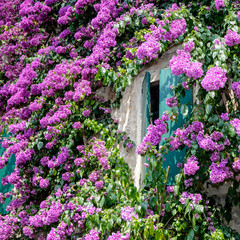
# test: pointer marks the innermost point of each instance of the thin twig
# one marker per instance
(164, 188)
(231, 95)
(225, 101)
(168, 221)
(84, 139)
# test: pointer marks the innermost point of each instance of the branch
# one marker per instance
(164, 188)
(231, 95)
(225, 101)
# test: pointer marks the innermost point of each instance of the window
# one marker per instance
(154, 105)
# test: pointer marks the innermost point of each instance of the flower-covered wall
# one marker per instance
(71, 77)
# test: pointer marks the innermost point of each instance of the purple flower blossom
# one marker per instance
(232, 38)
(44, 183)
(27, 231)
(236, 165)
(170, 189)
(189, 46)
(154, 135)
(128, 213)
(236, 88)
(86, 113)
(93, 177)
(77, 125)
(224, 116)
(172, 102)
(93, 235)
(129, 145)
(149, 49)
(215, 79)
(236, 124)
(182, 64)
(219, 3)
(220, 172)
(191, 167)
(99, 185)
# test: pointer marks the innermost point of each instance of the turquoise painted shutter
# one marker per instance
(145, 106)
(172, 158)
(145, 103)
(8, 169)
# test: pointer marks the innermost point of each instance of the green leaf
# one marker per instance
(199, 51)
(208, 109)
(213, 119)
(168, 206)
(229, 129)
(176, 189)
(193, 221)
(174, 212)
(146, 234)
(212, 94)
(178, 178)
(190, 235)
(39, 145)
(102, 201)
(89, 224)
(215, 54)
(66, 219)
(54, 172)
(184, 110)
(144, 205)
(97, 198)
(199, 208)
(188, 209)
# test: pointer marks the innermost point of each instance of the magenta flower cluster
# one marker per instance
(220, 172)
(182, 63)
(232, 38)
(189, 46)
(236, 88)
(219, 4)
(128, 213)
(154, 134)
(196, 198)
(191, 166)
(236, 124)
(214, 79)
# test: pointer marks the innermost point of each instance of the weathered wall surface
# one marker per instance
(219, 193)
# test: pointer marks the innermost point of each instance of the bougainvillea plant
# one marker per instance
(70, 181)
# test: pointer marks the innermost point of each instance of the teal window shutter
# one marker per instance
(7, 170)
(172, 158)
(145, 103)
(145, 107)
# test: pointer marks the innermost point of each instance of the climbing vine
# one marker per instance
(70, 180)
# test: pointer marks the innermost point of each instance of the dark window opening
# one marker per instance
(154, 102)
